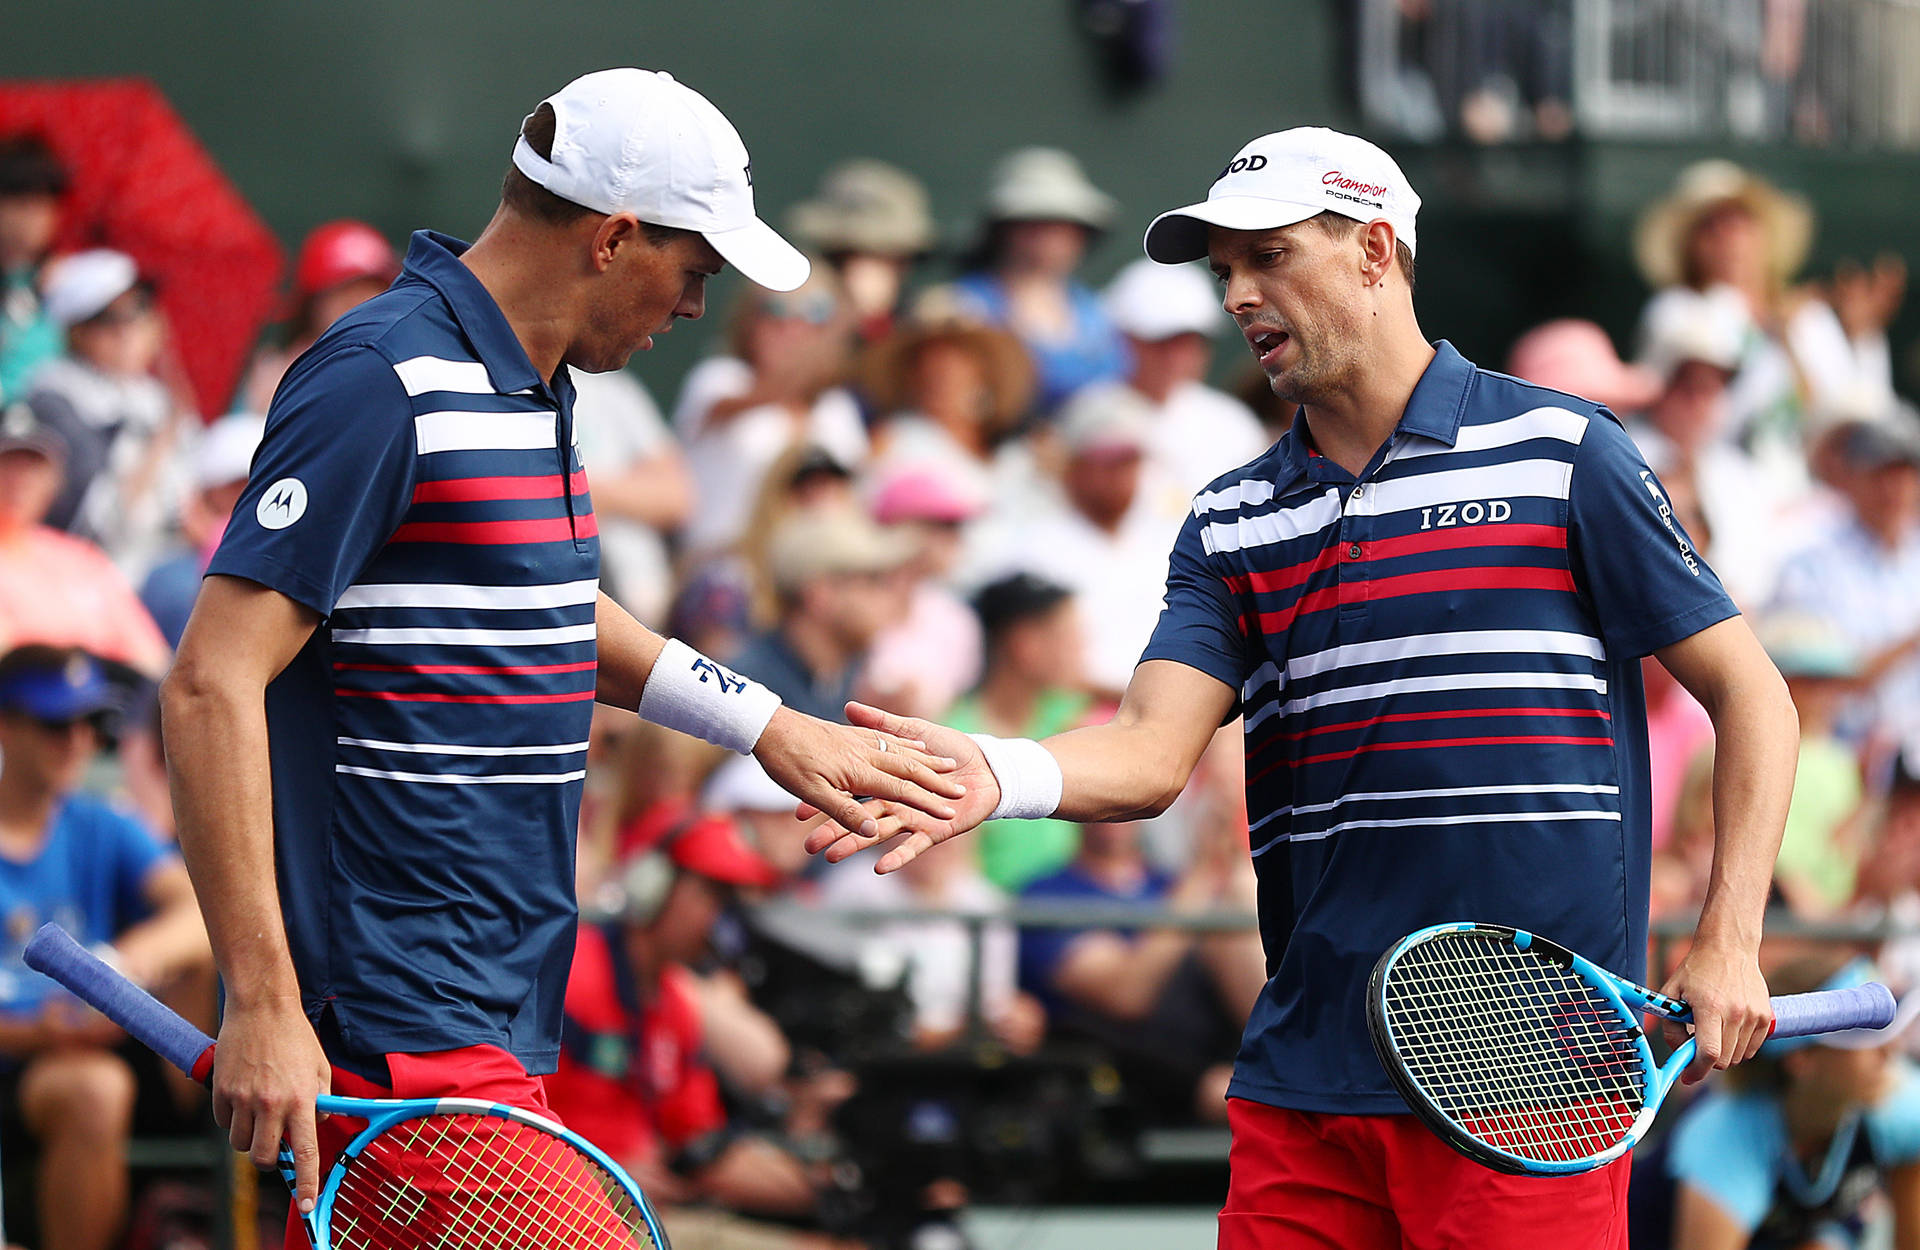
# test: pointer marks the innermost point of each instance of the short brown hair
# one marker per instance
(1339, 225)
(529, 199)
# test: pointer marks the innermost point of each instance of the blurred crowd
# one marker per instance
(947, 485)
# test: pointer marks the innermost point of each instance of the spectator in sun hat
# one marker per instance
(778, 385)
(32, 180)
(871, 223)
(1725, 234)
(1041, 216)
(838, 578)
(341, 265)
(106, 384)
(949, 388)
(932, 655)
(54, 587)
(1170, 315)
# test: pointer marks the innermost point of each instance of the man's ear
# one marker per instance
(615, 231)
(1377, 249)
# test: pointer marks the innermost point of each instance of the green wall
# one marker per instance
(403, 114)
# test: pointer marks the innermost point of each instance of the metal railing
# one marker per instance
(1819, 72)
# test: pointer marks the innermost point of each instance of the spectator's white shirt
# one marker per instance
(617, 426)
(1197, 435)
(938, 953)
(1872, 596)
(1119, 579)
(730, 460)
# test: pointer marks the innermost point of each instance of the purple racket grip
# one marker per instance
(54, 952)
(1868, 1006)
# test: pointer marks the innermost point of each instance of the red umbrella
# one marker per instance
(143, 184)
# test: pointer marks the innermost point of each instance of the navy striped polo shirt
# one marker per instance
(1438, 666)
(418, 487)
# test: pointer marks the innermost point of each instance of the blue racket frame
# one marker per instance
(54, 952)
(1795, 1015)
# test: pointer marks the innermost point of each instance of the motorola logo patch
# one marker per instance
(283, 503)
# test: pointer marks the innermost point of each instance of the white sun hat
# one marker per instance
(1287, 177)
(635, 141)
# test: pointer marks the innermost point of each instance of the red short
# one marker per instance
(1304, 1181)
(483, 1072)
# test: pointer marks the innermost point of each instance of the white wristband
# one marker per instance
(688, 692)
(1030, 778)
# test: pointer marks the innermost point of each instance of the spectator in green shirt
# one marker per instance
(1820, 852)
(1030, 688)
(32, 180)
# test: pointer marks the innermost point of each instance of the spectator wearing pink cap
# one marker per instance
(342, 265)
(929, 659)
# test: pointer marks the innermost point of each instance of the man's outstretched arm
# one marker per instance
(1132, 767)
(830, 767)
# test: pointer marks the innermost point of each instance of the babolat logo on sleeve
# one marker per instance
(1666, 519)
(283, 503)
(729, 684)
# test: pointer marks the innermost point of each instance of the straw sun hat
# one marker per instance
(886, 370)
(1660, 238)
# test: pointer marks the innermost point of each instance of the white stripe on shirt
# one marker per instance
(1443, 681)
(1557, 423)
(470, 637)
(456, 595)
(1242, 494)
(483, 431)
(1450, 792)
(450, 779)
(434, 373)
(1274, 527)
(1473, 818)
(457, 748)
(1463, 642)
(1520, 479)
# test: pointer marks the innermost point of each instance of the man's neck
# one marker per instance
(1157, 385)
(825, 659)
(1812, 1120)
(1350, 427)
(1121, 872)
(516, 264)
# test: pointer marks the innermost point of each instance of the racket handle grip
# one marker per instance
(1868, 1006)
(156, 1026)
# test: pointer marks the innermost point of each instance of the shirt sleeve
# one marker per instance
(1199, 625)
(1725, 1148)
(1632, 561)
(330, 483)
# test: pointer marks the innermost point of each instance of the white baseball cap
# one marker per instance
(1285, 177)
(225, 453)
(82, 285)
(635, 141)
(1153, 302)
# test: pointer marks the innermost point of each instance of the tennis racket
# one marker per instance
(445, 1174)
(1529, 1060)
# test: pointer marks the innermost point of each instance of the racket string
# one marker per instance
(1518, 1051)
(479, 1182)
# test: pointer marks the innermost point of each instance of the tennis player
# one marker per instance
(1428, 601)
(377, 723)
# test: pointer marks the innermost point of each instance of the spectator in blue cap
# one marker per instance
(68, 857)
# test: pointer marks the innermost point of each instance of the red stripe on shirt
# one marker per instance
(403, 696)
(1269, 741)
(1507, 740)
(1502, 578)
(477, 489)
(1265, 581)
(473, 670)
(1453, 538)
(496, 533)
